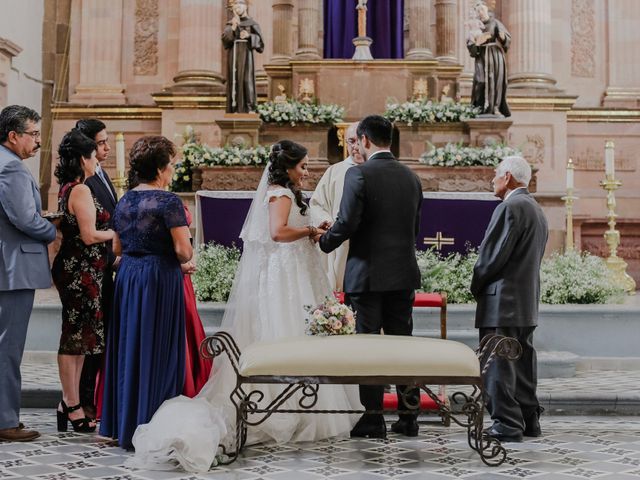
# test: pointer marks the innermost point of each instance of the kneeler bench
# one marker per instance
(302, 364)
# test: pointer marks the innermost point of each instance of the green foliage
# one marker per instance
(457, 155)
(426, 111)
(450, 274)
(575, 277)
(294, 112)
(216, 267)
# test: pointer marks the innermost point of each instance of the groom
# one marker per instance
(380, 216)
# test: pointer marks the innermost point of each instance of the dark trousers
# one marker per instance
(391, 312)
(510, 386)
(93, 363)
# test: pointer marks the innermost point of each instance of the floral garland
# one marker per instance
(456, 155)
(195, 155)
(294, 112)
(426, 111)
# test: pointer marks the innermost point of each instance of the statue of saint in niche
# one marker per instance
(240, 38)
(487, 42)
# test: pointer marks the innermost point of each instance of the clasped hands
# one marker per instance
(316, 232)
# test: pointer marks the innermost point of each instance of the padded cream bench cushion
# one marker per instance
(359, 355)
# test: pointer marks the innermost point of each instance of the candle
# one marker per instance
(609, 165)
(570, 175)
(120, 155)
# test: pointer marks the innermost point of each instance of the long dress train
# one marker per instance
(273, 284)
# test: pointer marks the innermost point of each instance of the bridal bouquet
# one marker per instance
(330, 318)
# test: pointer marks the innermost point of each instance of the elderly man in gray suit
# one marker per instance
(506, 285)
(24, 261)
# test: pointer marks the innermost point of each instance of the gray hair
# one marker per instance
(14, 119)
(518, 167)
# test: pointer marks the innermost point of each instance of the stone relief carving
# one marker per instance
(533, 149)
(583, 38)
(146, 38)
(591, 159)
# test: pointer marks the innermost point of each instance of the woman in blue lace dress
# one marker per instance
(146, 340)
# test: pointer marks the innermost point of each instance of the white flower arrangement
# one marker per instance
(330, 318)
(294, 112)
(457, 155)
(427, 111)
(195, 155)
(215, 268)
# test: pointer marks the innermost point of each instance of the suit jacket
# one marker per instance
(24, 234)
(103, 193)
(380, 215)
(506, 277)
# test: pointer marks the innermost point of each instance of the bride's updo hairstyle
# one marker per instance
(147, 156)
(285, 155)
(73, 147)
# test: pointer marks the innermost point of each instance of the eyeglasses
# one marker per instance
(35, 134)
(352, 141)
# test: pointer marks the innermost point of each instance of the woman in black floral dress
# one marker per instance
(78, 272)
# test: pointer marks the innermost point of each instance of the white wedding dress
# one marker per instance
(272, 285)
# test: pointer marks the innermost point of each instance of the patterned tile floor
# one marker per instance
(571, 448)
(39, 375)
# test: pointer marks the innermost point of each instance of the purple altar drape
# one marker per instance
(384, 25)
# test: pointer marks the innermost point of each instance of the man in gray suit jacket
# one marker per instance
(506, 285)
(24, 261)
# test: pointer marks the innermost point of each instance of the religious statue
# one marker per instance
(240, 38)
(488, 43)
(282, 98)
(362, 42)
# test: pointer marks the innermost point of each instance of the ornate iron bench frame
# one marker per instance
(470, 414)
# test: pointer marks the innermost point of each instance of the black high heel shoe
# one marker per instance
(81, 425)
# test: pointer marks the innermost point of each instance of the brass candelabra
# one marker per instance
(568, 203)
(612, 236)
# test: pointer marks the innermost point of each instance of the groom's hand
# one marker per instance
(319, 232)
(326, 225)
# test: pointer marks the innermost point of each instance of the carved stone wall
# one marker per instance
(146, 37)
(583, 38)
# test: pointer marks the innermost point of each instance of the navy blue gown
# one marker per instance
(146, 339)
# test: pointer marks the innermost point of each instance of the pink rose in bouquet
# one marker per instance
(330, 318)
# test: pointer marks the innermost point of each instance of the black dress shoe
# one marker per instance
(493, 432)
(369, 428)
(532, 422)
(408, 428)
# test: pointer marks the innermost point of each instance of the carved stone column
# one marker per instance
(446, 30)
(419, 23)
(466, 78)
(530, 62)
(100, 53)
(308, 20)
(199, 45)
(624, 54)
(8, 50)
(282, 21)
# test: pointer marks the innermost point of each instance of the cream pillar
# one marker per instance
(419, 23)
(282, 22)
(446, 30)
(308, 20)
(466, 77)
(624, 54)
(8, 50)
(529, 57)
(199, 44)
(100, 53)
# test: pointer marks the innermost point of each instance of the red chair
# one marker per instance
(435, 300)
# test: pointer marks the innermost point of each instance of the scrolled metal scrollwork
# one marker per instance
(309, 396)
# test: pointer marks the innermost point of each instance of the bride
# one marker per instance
(280, 271)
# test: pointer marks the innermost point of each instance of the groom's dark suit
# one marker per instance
(380, 216)
(506, 284)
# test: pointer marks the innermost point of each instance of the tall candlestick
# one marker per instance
(120, 155)
(570, 175)
(609, 165)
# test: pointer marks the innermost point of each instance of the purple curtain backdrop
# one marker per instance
(464, 220)
(384, 25)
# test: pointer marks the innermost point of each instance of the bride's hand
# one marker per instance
(319, 232)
